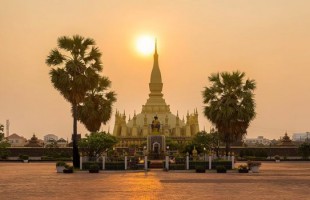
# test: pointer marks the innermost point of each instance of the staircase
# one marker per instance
(156, 164)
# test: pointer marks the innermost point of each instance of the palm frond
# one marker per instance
(54, 58)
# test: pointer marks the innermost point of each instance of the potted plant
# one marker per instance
(60, 166)
(221, 169)
(94, 168)
(68, 169)
(25, 158)
(243, 169)
(254, 166)
(277, 158)
(200, 169)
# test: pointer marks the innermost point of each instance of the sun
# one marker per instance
(145, 45)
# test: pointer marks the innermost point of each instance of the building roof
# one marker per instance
(15, 136)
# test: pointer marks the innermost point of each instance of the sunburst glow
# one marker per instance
(145, 45)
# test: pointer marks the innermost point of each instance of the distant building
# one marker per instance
(50, 137)
(50, 140)
(16, 140)
(34, 142)
(301, 137)
(62, 142)
(260, 140)
(286, 141)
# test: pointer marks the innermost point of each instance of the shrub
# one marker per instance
(68, 167)
(194, 164)
(180, 160)
(94, 167)
(221, 169)
(4, 153)
(261, 153)
(24, 157)
(87, 165)
(254, 163)
(226, 163)
(277, 157)
(114, 166)
(60, 163)
(200, 169)
(242, 167)
(177, 166)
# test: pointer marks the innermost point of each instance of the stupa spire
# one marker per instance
(156, 84)
(155, 103)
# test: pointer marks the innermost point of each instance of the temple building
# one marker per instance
(155, 118)
(34, 142)
(286, 141)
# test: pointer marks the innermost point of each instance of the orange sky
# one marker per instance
(267, 39)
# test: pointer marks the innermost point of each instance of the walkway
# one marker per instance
(40, 181)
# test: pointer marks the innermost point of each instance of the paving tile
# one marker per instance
(285, 180)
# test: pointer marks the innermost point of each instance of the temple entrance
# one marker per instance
(156, 146)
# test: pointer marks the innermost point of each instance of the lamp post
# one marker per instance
(144, 150)
(168, 150)
(204, 152)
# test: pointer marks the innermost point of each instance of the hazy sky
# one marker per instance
(267, 39)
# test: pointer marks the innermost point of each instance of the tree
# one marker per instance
(76, 76)
(97, 106)
(95, 144)
(3, 143)
(304, 150)
(1, 132)
(209, 141)
(203, 140)
(173, 145)
(229, 105)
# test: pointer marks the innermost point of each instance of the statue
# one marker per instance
(155, 124)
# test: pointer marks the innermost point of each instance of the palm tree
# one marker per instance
(1, 132)
(229, 105)
(77, 64)
(97, 106)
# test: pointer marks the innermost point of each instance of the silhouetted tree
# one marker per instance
(229, 105)
(76, 76)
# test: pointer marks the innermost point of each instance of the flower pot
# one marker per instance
(68, 171)
(221, 170)
(200, 170)
(60, 169)
(277, 160)
(93, 170)
(243, 170)
(255, 169)
(26, 161)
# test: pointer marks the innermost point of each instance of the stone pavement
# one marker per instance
(284, 180)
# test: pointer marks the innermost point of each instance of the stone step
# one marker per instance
(156, 164)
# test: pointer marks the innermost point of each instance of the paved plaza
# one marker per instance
(285, 180)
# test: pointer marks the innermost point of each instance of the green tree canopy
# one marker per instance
(304, 150)
(76, 75)
(208, 141)
(3, 143)
(97, 106)
(95, 144)
(229, 105)
(1, 132)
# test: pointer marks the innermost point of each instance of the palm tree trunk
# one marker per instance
(76, 156)
(227, 147)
